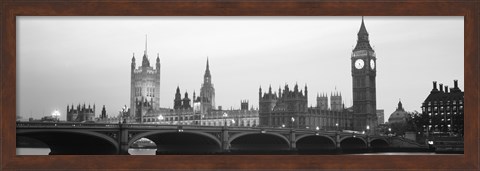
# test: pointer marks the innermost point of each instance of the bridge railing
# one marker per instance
(65, 125)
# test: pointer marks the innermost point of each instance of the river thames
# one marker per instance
(136, 151)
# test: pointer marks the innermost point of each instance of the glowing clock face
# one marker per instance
(372, 64)
(359, 64)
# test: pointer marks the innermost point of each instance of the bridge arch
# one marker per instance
(309, 135)
(353, 143)
(186, 142)
(146, 134)
(258, 142)
(315, 144)
(379, 143)
(66, 141)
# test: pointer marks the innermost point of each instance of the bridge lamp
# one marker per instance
(293, 120)
(225, 115)
(283, 125)
(160, 118)
(336, 124)
(233, 121)
(317, 128)
(56, 114)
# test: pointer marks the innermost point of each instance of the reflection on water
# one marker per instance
(139, 151)
(33, 151)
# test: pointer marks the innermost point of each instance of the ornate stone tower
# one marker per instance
(177, 102)
(336, 101)
(144, 84)
(363, 82)
(207, 92)
(322, 102)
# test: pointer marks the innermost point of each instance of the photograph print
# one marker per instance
(369, 85)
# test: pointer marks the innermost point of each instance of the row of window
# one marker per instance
(447, 102)
(150, 91)
(454, 108)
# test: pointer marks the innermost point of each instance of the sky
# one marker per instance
(71, 60)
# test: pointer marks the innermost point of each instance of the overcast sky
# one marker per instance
(65, 60)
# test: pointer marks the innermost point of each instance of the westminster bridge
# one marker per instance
(101, 138)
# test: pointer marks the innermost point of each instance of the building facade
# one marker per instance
(381, 116)
(80, 113)
(363, 65)
(187, 116)
(289, 109)
(443, 110)
(145, 86)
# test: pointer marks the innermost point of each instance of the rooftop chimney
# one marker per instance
(434, 85)
(446, 89)
(441, 87)
(455, 84)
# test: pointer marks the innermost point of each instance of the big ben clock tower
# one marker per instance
(363, 83)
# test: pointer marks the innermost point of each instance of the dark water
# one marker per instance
(135, 151)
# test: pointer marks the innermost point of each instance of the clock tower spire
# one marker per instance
(363, 61)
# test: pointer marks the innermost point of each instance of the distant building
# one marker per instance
(381, 116)
(289, 109)
(80, 113)
(144, 87)
(187, 116)
(399, 115)
(443, 109)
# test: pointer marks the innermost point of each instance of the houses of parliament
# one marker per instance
(287, 107)
(290, 107)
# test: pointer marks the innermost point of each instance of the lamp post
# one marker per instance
(336, 125)
(56, 115)
(225, 115)
(293, 120)
(283, 125)
(160, 118)
(389, 131)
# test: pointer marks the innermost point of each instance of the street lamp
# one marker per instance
(336, 124)
(293, 120)
(389, 131)
(368, 129)
(317, 128)
(56, 115)
(283, 125)
(160, 118)
(225, 115)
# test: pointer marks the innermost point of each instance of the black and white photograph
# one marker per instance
(227, 85)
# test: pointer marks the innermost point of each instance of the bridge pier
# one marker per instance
(225, 139)
(293, 144)
(123, 141)
(337, 141)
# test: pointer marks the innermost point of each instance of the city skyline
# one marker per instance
(244, 53)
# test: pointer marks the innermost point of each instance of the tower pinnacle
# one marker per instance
(362, 41)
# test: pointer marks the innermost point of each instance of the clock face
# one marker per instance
(372, 64)
(359, 64)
